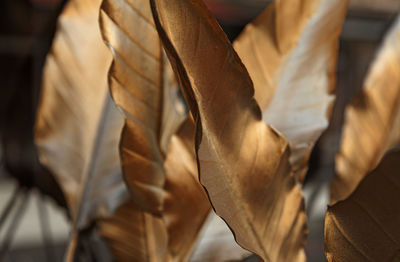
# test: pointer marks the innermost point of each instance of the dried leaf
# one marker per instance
(186, 208)
(364, 227)
(139, 81)
(291, 52)
(372, 124)
(191, 217)
(186, 203)
(244, 164)
(135, 235)
(78, 127)
(143, 85)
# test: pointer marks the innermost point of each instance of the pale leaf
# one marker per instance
(78, 127)
(365, 226)
(216, 243)
(291, 51)
(244, 163)
(372, 121)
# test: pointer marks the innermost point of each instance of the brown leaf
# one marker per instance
(186, 203)
(244, 164)
(158, 167)
(372, 121)
(291, 51)
(78, 127)
(140, 85)
(186, 209)
(364, 227)
(135, 235)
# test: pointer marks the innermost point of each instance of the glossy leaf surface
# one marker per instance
(140, 82)
(372, 124)
(172, 237)
(159, 167)
(78, 127)
(364, 227)
(244, 164)
(291, 52)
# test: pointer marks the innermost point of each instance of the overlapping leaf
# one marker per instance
(186, 203)
(160, 168)
(290, 51)
(216, 243)
(139, 82)
(364, 227)
(372, 124)
(134, 235)
(244, 163)
(186, 208)
(78, 127)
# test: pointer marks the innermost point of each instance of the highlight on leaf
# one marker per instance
(216, 243)
(157, 158)
(77, 126)
(244, 164)
(372, 124)
(291, 53)
(171, 237)
(140, 85)
(364, 227)
(135, 235)
(243, 157)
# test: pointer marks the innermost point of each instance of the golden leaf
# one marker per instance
(159, 168)
(244, 163)
(139, 81)
(290, 51)
(78, 127)
(186, 209)
(372, 122)
(134, 235)
(186, 203)
(364, 227)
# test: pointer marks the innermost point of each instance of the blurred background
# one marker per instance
(33, 226)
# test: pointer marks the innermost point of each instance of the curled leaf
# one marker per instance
(172, 237)
(159, 167)
(140, 85)
(372, 123)
(78, 127)
(244, 164)
(135, 235)
(186, 203)
(291, 51)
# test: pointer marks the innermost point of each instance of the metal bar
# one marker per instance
(45, 229)
(14, 225)
(386, 6)
(8, 209)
